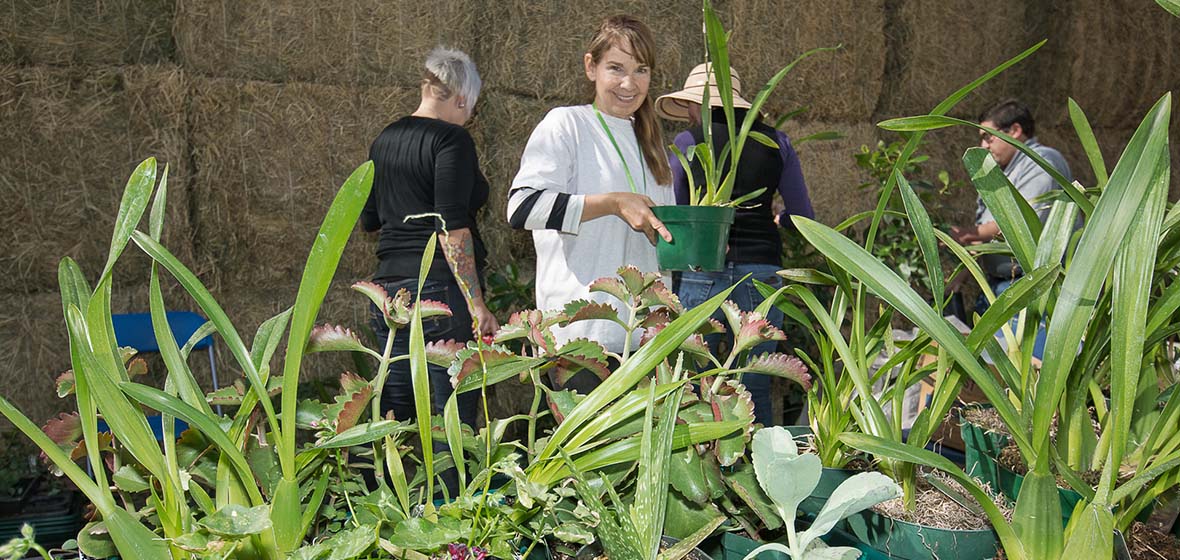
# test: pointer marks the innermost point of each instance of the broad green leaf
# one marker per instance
(238, 521)
(129, 480)
(352, 543)
(1130, 186)
(325, 253)
(1089, 143)
(858, 493)
(1020, 229)
(924, 231)
(135, 199)
(178, 371)
(362, 434)
(94, 540)
(1090, 534)
(1036, 519)
(454, 431)
(207, 425)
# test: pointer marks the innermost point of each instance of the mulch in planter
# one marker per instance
(935, 509)
(1146, 543)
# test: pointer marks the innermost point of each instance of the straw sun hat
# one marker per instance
(674, 106)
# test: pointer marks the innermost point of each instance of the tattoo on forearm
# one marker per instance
(459, 249)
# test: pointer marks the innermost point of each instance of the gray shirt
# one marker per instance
(1032, 182)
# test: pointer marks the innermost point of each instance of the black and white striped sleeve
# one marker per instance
(542, 195)
(530, 208)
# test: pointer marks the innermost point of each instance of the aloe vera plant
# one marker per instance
(788, 477)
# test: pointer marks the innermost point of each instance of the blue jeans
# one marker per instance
(398, 393)
(697, 287)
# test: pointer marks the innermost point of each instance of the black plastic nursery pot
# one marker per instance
(700, 235)
(55, 518)
(907, 541)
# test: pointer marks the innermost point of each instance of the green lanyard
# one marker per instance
(626, 168)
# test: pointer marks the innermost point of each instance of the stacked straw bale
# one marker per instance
(535, 49)
(269, 161)
(80, 32)
(35, 349)
(1122, 57)
(70, 140)
(339, 41)
(844, 85)
(937, 46)
(829, 170)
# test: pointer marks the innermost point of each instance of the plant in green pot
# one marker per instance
(700, 230)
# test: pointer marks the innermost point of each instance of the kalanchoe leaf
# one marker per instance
(583, 310)
(780, 365)
(331, 338)
(467, 361)
(656, 318)
(65, 383)
(397, 309)
(443, 352)
(375, 292)
(126, 353)
(696, 346)
(65, 430)
(733, 315)
(351, 382)
(137, 367)
(232, 395)
(612, 286)
(733, 402)
(636, 281)
(352, 410)
(712, 326)
(430, 308)
(755, 330)
(581, 354)
(562, 402)
(310, 414)
(658, 294)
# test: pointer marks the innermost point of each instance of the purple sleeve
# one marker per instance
(685, 143)
(791, 186)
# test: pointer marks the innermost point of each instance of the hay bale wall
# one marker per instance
(262, 109)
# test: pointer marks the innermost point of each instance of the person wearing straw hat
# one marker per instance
(755, 244)
(588, 178)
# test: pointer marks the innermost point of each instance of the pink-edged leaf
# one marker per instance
(65, 383)
(733, 402)
(712, 326)
(562, 402)
(650, 333)
(443, 352)
(733, 315)
(375, 292)
(397, 308)
(65, 429)
(584, 310)
(431, 308)
(351, 383)
(781, 365)
(353, 409)
(332, 338)
(754, 331)
(126, 353)
(659, 294)
(137, 367)
(467, 361)
(232, 395)
(657, 317)
(696, 346)
(612, 286)
(580, 354)
(635, 281)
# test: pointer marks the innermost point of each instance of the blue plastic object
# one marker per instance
(135, 330)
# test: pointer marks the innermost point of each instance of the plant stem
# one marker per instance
(533, 411)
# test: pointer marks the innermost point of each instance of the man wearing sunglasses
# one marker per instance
(1014, 119)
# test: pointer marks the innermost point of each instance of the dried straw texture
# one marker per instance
(35, 349)
(269, 159)
(367, 42)
(501, 131)
(937, 46)
(535, 49)
(844, 85)
(829, 170)
(85, 32)
(1123, 56)
(70, 140)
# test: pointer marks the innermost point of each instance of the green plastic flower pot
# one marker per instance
(907, 541)
(732, 546)
(979, 444)
(700, 235)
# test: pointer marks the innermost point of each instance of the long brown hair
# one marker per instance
(631, 35)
